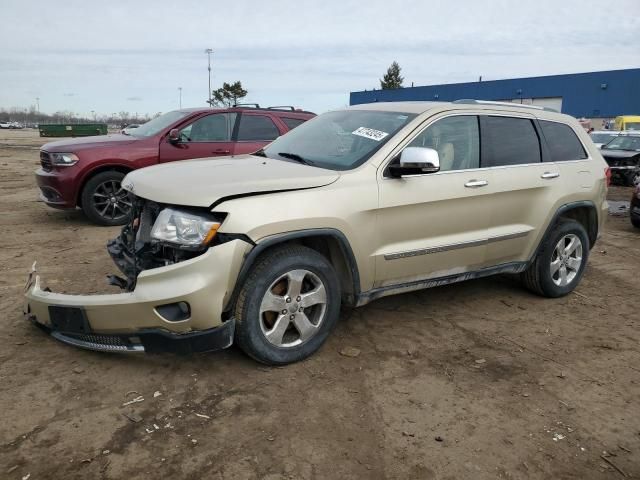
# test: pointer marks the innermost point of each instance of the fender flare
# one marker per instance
(276, 239)
(559, 212)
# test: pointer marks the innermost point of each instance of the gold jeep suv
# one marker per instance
(354, 205)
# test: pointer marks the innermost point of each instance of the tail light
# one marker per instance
(607, 173)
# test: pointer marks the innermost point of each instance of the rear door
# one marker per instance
(207, 136)
(254, 131)
(524, 189)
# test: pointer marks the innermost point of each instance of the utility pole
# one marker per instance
(38, 105)
(93, 112)
(209, 51)
(180, 96)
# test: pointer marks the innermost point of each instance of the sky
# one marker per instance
(133, 55)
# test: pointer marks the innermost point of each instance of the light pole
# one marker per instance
(93, 112)
(180, 96)
(38, 105)
(209, 51)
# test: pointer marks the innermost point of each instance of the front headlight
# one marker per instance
(184, 228)
(63, 159)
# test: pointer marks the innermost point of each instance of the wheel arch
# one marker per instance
(95, 171)
(584, 212)
(329, 242)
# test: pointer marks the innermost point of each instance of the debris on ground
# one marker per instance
(618, 208)
(407, 434)
(439, 439)
(134, 417)
(78, 370)
(202, 416)
(156, 394)
(135, 400)
(480, 361)
(350, 352)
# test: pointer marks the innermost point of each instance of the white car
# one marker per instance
(602, 137)
(5, 125)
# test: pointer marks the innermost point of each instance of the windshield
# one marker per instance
(338, 140)
(624, 143)
(157, 124)
(602, 137)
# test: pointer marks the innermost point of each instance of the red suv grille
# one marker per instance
(45, 161)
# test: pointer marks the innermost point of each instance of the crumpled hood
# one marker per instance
(81, 143)
(203, 182)
(612, 153)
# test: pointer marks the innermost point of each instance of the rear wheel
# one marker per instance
(560, 263)
(104, 201)
(635, 221)
(633, 178)
(288, 305)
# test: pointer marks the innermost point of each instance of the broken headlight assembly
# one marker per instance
(183, 228)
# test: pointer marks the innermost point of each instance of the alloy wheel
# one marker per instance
(293, 308)
(566, 260)
(111, 201)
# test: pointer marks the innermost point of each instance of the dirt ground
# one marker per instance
(477, 380)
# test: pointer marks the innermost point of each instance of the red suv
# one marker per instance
(86, 172)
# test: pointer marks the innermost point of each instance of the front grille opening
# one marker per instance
(45, 161)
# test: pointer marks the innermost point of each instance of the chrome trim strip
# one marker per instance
(99, 347)
(455, 246)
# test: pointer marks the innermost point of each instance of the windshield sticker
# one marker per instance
(370, 133)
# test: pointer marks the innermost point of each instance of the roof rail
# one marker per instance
(282, 107)
(251, 105)
(471, 101)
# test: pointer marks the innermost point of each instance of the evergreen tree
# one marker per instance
(392, 78)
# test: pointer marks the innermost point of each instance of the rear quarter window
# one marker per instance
(292, 123)
(562, 141)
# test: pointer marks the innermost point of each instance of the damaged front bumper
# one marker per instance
(177, 307)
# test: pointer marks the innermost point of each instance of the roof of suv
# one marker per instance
(285, 110)
(421, 107)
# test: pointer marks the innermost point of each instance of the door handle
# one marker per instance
(548, 175)
(476, 183)
(219, 150)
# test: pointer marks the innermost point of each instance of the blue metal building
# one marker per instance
(591, 95)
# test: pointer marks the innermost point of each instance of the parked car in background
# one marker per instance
(634, 209)
(627, 122)
(623, 156)
(602, 137)
(355, 205)
(128, 128)
(86, 172)
(5, 125)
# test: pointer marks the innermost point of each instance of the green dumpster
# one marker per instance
(72, 130)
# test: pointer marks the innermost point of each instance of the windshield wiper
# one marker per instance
(260, 153)
(296, 157)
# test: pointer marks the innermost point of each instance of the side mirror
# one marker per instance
(174, 135)
(416, 161)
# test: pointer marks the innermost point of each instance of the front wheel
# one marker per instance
(104, 201)
(288, 305)
(560, 262)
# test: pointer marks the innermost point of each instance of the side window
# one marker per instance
(212, 128)
(456, 140)
(509, 141)
(256, 128)
(562, 142)
(292, 123)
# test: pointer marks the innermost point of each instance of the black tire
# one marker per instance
(538, 277)
(635, 221)
(102, 184)
(250, 322)
(632, 178)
